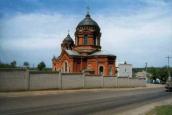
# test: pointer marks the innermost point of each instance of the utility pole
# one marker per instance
(168, 67)
(146, 64)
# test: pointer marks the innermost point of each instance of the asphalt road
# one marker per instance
(77, 103)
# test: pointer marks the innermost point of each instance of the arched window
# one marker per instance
(85, 39)
(110, 70)
(65, 66)
(101, 70)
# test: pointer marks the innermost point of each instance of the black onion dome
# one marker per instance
(68, 39)
(67, 43)
(88, 21)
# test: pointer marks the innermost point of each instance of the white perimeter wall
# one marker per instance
(13, 80)
(43, 81)
(93, 82)
(72, 81)
(110, 82)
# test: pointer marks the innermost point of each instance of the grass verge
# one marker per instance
(161, 110)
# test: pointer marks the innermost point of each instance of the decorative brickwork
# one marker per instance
(86, 54)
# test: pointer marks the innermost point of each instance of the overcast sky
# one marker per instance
(137, 31)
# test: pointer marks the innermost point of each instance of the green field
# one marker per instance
(161, 110)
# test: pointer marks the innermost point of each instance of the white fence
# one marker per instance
(13, 80)
(93, 82)
(72, 81)
(44, 80)
(110, 82)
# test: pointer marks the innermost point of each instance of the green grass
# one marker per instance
(161, 110)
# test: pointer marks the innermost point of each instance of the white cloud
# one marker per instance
(29, 31)
(30, 44)
(139, 37)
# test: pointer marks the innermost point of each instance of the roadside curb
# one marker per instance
(49, 92)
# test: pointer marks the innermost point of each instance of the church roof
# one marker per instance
(102, 53)
(88, 21)
(98, 53)
(72, 53)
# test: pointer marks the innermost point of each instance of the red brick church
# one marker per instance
(85, 54)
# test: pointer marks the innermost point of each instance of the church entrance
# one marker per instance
(101, 70)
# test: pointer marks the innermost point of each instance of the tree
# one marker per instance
(13, 64)
(163, 74)
(160, 73)
(4, 65)
(152, 71)
(41, 65)
(26, 64)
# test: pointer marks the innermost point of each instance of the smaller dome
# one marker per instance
(67, 43)
(68, 39)
(88, 21)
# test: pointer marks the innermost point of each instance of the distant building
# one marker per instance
(125, 70)
(143, 75)
(85, 53)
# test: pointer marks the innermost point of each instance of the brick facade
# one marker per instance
(85, 55)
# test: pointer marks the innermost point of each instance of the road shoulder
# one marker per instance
(56, 91)
(146, 108)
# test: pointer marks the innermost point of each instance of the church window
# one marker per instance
(85, 39)
(101, 70)
(65, 66)
(110, 70)
(94, 39)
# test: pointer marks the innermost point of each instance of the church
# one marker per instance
(85, 53)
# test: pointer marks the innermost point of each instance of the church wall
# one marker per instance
(79, 64)
(106, 67)
(80, 41)
(84, 64)
(113, 70)
(76, 65)
(59, 64)
(92, 64)
(90, 41)
(95, 63)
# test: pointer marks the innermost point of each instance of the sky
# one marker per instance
(136, 31)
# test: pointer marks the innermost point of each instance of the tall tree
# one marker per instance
(160, 73)
(41, 65)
